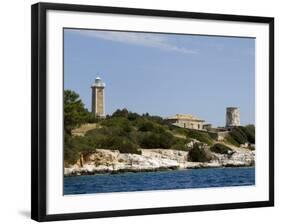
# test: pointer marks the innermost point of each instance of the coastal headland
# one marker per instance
(126, 141)
(112, 161)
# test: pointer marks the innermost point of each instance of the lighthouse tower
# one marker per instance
(98, 97)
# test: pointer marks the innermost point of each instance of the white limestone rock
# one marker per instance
(110, 161)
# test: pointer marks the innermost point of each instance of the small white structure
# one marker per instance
(98, 104)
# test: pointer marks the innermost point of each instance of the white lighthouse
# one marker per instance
(98, 97)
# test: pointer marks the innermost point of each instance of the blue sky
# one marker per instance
(163, 74)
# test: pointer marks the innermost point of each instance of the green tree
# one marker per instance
(121, 113)
(91, 118)
(74, 111)
(133, 116)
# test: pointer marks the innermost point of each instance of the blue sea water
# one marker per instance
(161, 180)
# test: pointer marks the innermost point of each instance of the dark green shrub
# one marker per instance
(156, 119)
(178, 130)
(166, 140)
(238, 135)
(117, 122)
(133, 116)
(113, 138)
(91, 118)
(251, 128)
(121, 113)
(199, 154)
(125, 146)
(200, 136)
(230, 140)
(74, 146)
(249, 131)
(149, 140)
(180, 144)
(71, 155)
(221, 148)
(146, 125)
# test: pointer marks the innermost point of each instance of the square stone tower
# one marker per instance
(98, 97)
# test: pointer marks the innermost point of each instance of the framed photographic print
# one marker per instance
(140, 111)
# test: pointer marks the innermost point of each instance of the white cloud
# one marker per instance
(141, 39)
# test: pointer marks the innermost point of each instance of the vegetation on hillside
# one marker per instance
(241, 135)
(221, 149)
(203, 137)
(128, 132)
(75, 113)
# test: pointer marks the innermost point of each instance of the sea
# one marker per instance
(159, 180)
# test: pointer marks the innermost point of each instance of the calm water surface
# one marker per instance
(164, 180)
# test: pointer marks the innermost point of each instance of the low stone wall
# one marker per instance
(218, 136)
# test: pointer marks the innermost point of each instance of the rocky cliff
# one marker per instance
(112, 161)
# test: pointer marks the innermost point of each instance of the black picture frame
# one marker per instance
(39, 122)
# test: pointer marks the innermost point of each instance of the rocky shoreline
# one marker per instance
(112, 161)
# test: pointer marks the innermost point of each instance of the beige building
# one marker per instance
(186, 121)
(98, 104)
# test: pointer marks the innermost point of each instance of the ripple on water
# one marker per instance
(164, 180)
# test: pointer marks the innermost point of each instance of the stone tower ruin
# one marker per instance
(232, 117)
(98, 97)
